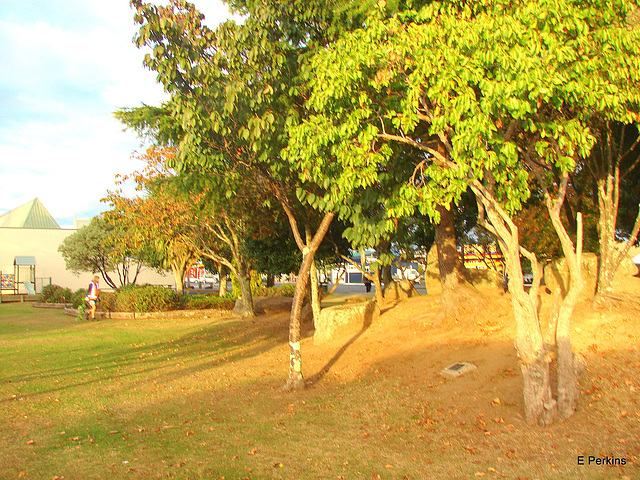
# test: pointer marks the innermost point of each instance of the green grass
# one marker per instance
(199, 398)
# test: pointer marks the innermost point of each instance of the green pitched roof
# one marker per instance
(30, 215)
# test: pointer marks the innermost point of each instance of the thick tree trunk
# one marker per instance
(244, 305)
(539, 406)
(385, 275)
(568, 392)
(179, 271)
(387, 278)
(455, 288)
(607, 265)
(222, 280)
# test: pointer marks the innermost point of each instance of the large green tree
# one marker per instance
(490, 96)
(234, 91)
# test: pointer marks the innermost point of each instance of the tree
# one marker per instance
(95, 248)
(158, 219)
(224, 224)
(489, 96)
(233, 92)
(614, 159)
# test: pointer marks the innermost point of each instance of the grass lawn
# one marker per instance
(199, 398)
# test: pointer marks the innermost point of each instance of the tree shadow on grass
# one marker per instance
(169, 359)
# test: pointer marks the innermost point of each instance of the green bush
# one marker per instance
(55, 294)
(78, 297)
(201, 302)
(108, 301)
(147, 298)
(286, 289)
(265, 292)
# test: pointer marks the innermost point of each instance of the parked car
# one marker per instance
(409, 274)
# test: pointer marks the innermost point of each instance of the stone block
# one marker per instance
(343, 320)
(400, 290)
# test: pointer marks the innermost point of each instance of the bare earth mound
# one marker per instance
(478, 417)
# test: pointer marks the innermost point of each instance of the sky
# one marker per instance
(65, 67)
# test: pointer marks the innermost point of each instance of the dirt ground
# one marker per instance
(481, 412)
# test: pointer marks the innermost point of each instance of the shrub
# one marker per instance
(147, 298)
(286, 289)
(78, 297)
(265, 292)
(108, 301)
(201, 302)
(55, 294)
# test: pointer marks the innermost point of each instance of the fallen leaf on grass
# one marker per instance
(253, 452)
(113, 432)
(31, 442)
(480, 474)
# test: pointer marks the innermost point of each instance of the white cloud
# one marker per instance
(66, 67)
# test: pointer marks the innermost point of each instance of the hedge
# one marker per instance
(55, 294)
(147, 298)
(202, 302)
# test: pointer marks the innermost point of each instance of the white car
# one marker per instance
(409, 274)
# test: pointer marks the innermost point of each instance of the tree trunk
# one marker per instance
(610, 256)
(244, 304)
(539, 406)
(378, 286)
(450, 267)
(314, 287)
(222, 280)
(385, 274)
(178, 275)
(606, 231)
(315, 292)
(568, 392)
(295, 381)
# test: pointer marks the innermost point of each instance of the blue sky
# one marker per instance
(65, 67)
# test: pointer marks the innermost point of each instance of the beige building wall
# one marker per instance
(43, 245)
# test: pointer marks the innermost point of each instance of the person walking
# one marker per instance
(92, 297)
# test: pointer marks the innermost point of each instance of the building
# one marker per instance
(29, 234)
